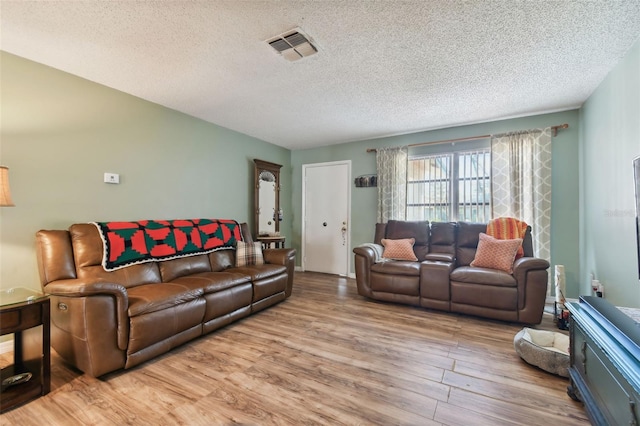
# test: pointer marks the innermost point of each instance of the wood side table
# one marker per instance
(267, 241)
(25, 313)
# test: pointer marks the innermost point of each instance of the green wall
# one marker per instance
(565, 175)
(610, 127)
(60, 133)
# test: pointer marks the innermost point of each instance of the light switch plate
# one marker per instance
(111, 178)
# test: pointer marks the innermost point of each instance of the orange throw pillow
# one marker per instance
(507, 228)
(496, 254)
(399, 249)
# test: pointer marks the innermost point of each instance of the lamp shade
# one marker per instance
(5, 190)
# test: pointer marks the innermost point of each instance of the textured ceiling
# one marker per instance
(383, 67)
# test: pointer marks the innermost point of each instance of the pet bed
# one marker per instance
(547, 350)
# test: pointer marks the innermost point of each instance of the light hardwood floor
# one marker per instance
(325, 356)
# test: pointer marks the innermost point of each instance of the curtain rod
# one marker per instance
(554, 131)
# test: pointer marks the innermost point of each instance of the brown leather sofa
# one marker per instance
(105, 321)
(443, 279)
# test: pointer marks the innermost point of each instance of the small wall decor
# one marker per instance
(365, 181)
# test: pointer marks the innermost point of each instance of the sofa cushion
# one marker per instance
(147, 298)
(443, 238)
(440, 257)
(87, 251)
(401, 249)
(127, 277)
(171, 269)
(222, 259)
(496, 254)
(259, 272)
(467, 241)
(381, 230)
(482, 299)
(399, 267)
(211, 282)
(153, 333)
(249, 254)
(268, 287)
(474, 275)
(55, 256)
(418, 230)
(395, 284)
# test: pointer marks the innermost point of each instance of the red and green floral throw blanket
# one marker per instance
(130, 243)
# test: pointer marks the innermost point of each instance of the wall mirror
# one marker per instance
(267, 199)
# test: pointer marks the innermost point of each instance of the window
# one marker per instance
(450, 187)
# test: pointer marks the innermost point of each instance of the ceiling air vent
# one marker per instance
(293, 45)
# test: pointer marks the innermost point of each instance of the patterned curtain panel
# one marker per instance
(392, 183)
(521, 182)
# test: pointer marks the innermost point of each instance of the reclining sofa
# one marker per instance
(102, 321)
(442, 277)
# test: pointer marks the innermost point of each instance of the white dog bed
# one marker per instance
(545, 349)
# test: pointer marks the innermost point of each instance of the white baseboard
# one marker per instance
(350, 275)
(6, 346)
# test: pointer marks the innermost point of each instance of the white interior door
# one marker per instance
(326, 215)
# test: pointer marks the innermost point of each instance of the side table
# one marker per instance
(267, 241)
(25, 313)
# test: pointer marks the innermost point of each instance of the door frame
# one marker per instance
(304, 213)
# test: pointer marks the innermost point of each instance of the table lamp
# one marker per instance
(5, 190)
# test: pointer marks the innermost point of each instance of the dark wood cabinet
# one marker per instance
(604, 362)
(29, 323)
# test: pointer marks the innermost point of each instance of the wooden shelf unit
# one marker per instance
(29, 322)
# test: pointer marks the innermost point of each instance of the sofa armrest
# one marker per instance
(279, 256)
(440, 257)
(532, 277)
(79, 288)
(372, 252)
(434, 280)
(525, 264)
(285, 257)
(366, 256)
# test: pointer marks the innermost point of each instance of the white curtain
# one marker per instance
(521, 183)
(392, 183)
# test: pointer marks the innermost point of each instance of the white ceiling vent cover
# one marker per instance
(293, 45)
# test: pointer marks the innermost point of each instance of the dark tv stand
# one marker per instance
(604, 362)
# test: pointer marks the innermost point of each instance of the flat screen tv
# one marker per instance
(636, 175)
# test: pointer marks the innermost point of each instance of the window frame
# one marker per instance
(454, 180)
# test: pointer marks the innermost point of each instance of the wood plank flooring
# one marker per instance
(326, 356)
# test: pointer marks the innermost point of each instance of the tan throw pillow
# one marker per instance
(399, 249)
(496, 254)
(249, 254)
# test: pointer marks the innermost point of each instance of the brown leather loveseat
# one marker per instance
(102, 321)
(442, 277)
